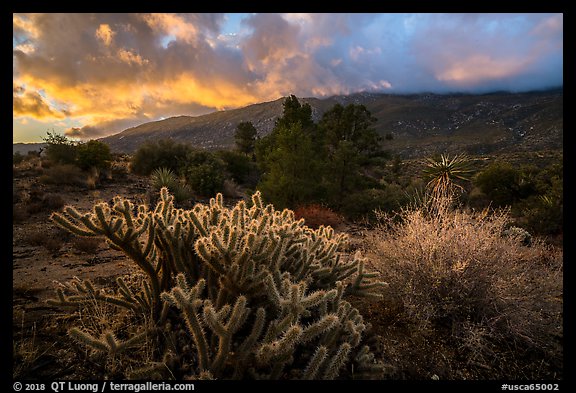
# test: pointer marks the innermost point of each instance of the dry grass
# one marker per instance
(97, 318)
(25, 350)
(453, 272)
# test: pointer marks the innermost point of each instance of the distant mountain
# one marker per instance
(24, 148)
(419, 124)
(214, 130)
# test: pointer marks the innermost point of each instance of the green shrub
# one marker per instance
(363, 204)
(60, 150)
(226, 293)
(240, 167)
(500, 182)
(164, 153)
(94, 154)
(204, 172)
(543, 214)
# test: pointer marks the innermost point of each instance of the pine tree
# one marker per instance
(294, 171)
(245, 137)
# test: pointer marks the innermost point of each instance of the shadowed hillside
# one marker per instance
(419, 124)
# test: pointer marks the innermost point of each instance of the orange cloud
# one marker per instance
(32, 104)
(477, 68)
(105, 34)
(23, 24)
(172, 24)
(130, 57)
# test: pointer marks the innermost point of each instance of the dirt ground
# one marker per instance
(44, 255)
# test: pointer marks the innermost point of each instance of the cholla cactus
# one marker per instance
(523, 236)
(260, 293)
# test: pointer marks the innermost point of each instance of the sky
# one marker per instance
(87, 76)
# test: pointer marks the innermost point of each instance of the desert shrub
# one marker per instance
(543, 214)
(19, 214)
(225, 293)
(361, 205)
(17, 158)
(500, 181)
(88, 245)
(454, 272)
(230, 189)
(94, 154)
(315, 215)
(164, 153)
(47, 239)
(63, 174)
(38, 202)
(239, 167)
(34, 207)
(204, 172)
(205, 179)
(53, 201)
(60, 149)
(521, 235)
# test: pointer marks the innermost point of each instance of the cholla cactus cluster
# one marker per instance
(261, 294)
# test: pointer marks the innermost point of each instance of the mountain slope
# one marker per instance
(419, 124)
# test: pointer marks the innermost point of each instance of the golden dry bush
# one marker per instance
(463, 273)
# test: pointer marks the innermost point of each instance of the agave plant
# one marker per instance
(164, 177)
(443, 173)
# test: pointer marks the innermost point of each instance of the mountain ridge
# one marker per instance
(419, 124)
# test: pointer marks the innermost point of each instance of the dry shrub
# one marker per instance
(53, 201)
(51, 240)
(63, 174)
(19, 214)
(38, 202)
(454, 272)
(315, 215)
(230, 189)
(88, 245)
(34, 207)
